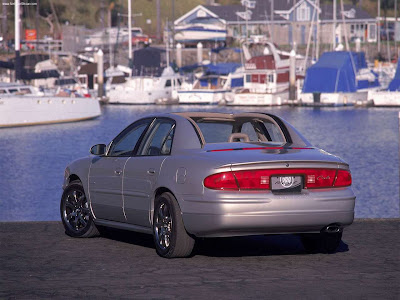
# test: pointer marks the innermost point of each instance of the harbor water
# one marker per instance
(33, 159)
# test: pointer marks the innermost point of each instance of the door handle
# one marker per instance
(118, 172)
(151, 171)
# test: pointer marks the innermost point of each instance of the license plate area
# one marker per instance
(287, 183)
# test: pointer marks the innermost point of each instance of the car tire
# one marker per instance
(75, 212)
(321, 242)
(170, 237)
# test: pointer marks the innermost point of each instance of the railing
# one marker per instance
(44, 44)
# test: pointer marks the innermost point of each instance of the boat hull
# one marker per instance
(384, 98)
(196, 35)
(333, 99)
(201, 97)
(256, 99)
(36, 110)
(126, 96)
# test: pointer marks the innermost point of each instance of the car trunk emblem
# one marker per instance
(286, 181)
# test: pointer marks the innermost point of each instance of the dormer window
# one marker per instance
(303, 12)
(351, 14)
(245, 15)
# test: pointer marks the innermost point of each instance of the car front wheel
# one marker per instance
(75, 212)
(170, 236)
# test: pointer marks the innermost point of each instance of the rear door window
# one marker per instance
(159, 139)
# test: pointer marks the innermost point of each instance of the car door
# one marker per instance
(106, 173)
(142, 170)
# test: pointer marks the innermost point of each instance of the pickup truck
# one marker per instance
(139, 38)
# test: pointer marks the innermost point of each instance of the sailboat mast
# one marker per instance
(17, 41)
(334, 26)
(130, 33)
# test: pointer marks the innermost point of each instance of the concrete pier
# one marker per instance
(37, 260)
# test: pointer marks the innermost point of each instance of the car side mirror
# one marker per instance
(99, 149)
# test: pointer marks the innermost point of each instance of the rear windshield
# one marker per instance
(242, 130)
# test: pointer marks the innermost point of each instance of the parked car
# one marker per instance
(180, 176)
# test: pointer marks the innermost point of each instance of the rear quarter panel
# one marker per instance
(183, 174)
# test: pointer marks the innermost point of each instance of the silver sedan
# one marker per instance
(180, 176)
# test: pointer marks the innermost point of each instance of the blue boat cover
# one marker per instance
(213, 69)
(221, 68)
(394, 85)
(334, 72)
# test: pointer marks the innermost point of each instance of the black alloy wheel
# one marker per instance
(75, 212)
(170, 237)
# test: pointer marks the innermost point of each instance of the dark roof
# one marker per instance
(226, 12)
(327, 9)
(262, 11)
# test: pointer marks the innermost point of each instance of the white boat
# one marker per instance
(212, 86)
(389, 97)
(200, 30)
(339, 78)
(266, 80)
(146, 89)
(22, 105)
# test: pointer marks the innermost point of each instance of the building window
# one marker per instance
(303, 12)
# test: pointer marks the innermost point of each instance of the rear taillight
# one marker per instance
(221, 181)
(253, 180)
(260, 179)
(343, 178)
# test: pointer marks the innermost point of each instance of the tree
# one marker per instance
(49, 12)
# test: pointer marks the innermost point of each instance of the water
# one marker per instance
(33, 159)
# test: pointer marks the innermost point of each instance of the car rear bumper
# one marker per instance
(264, 212)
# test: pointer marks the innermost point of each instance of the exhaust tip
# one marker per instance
(333, 228)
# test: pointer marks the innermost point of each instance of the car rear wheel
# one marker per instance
(75, 212)
(324, 242)
(170, 236)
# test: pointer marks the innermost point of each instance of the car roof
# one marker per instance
(217, 115)
(191, 137)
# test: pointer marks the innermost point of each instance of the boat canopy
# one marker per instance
(213, 69)
(149, 61)
(394, 85)
(336, 72)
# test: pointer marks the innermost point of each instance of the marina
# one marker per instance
(366, 138)
(330, 95)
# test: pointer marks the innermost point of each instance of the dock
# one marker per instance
(37, 260)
